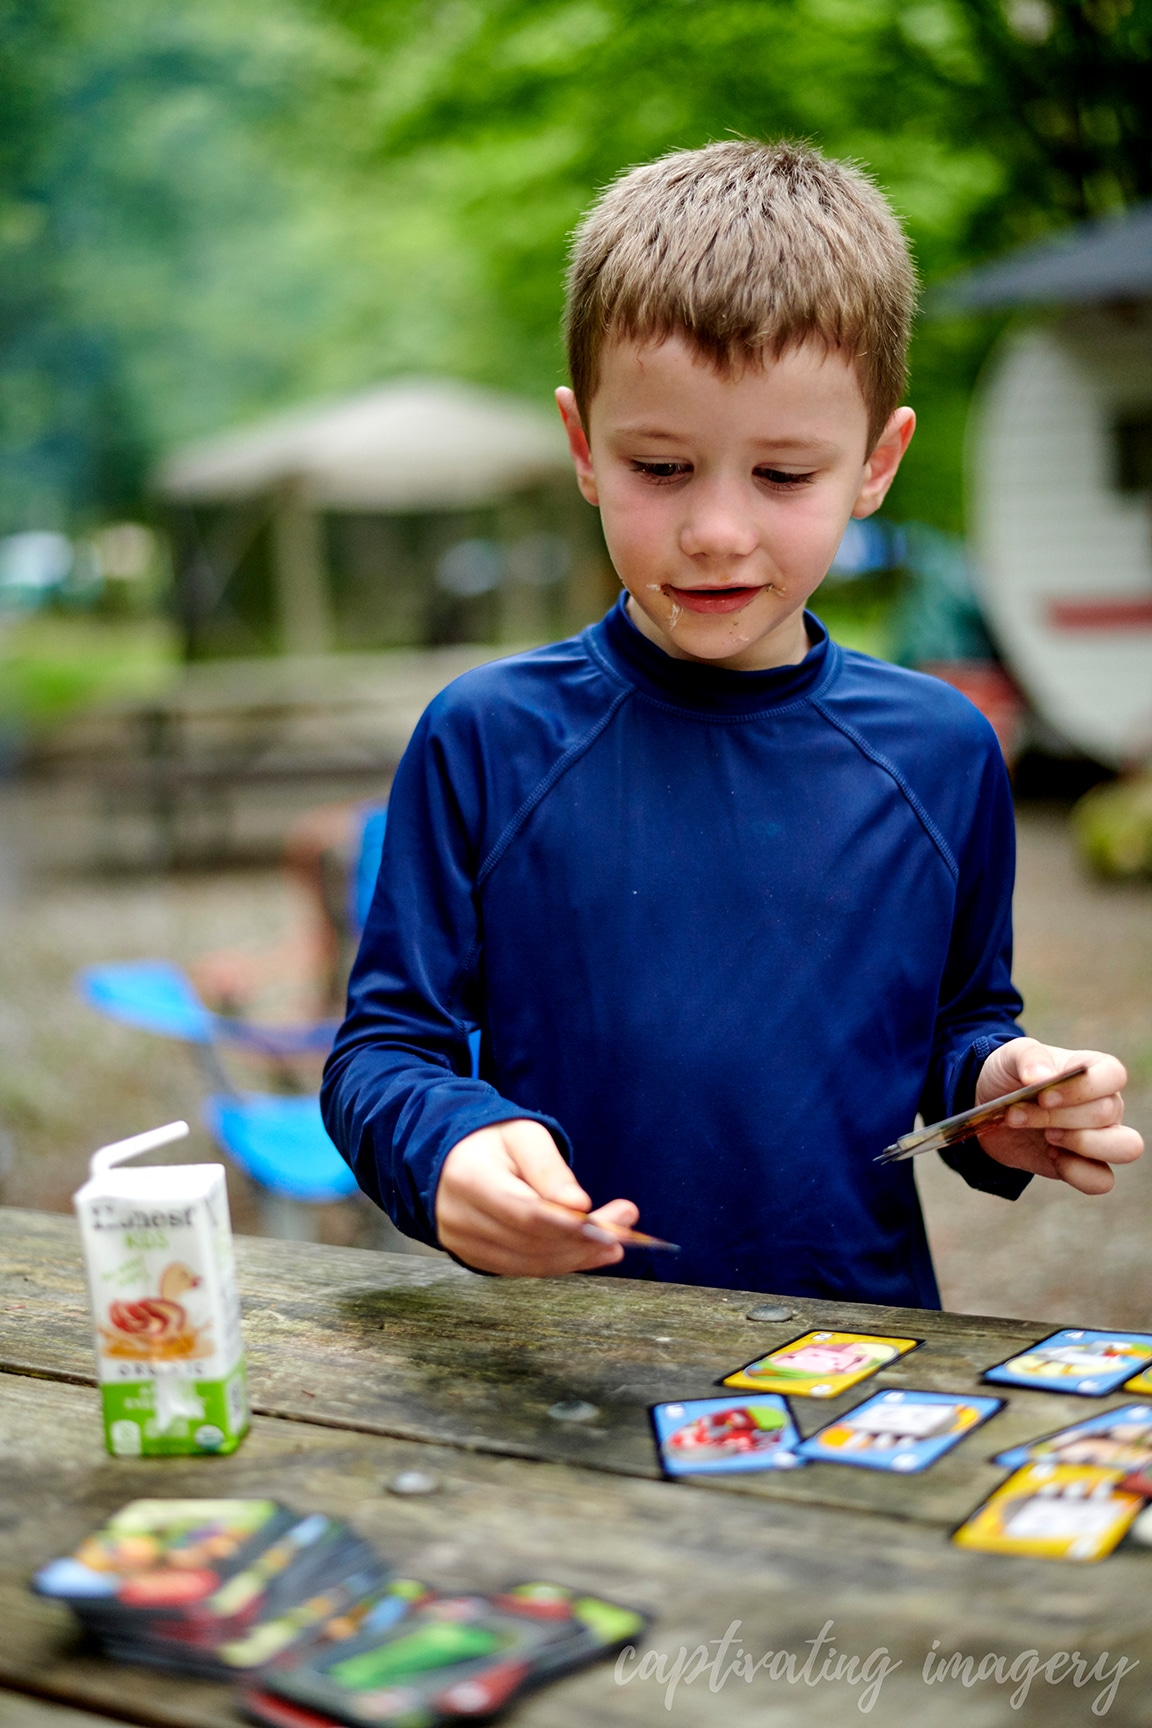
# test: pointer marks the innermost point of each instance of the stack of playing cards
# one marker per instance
(412, 1658)
(211, 1587)
(303, 1613)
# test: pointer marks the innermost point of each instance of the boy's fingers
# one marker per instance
(617, 1212)
(509, 1207)
(513, 1260)
(1025, 1062)
(1085, 1174)
(1105, 1075)
(1095, 1113)
(1037, 1062)
(520, 1257)
(508, 1203)
(510, 1232)
(1103, 1145)
(495, 1221)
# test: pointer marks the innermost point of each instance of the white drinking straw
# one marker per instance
(106, 1156)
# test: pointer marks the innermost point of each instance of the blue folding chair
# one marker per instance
(373, 822)
(281, 1143)
(277, 1140)
(157, 996)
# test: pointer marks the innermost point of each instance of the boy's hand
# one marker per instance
(1072, 1134)
(496, 1206)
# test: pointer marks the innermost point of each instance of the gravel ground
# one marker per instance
(70, 1081)
(1084, 968)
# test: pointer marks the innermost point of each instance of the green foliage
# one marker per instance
(51, 665)
(1059, 90)
(172, 203)
(207, 209)
(973, 117)
(1113, 827)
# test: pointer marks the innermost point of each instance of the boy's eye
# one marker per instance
(779, 477)
(661, 472)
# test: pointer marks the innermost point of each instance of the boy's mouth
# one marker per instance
(712, 600)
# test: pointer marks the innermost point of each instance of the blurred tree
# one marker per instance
(172, 201)
(1062, 91)
(205, 209)
(985, 122)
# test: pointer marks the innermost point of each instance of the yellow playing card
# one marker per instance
(821, 1364)
(1053, 1511)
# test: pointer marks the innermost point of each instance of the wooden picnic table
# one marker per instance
(367, 1365)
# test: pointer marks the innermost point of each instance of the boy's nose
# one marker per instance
(718, 527)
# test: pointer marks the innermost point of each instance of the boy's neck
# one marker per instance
(785, 646)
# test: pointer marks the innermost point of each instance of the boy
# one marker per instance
(728, 904)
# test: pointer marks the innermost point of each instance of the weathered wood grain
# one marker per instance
(696, 1561)
(421, 1349)
(23, 1711)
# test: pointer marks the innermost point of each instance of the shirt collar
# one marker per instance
(713, 689)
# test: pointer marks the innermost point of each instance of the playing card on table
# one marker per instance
(1113, 1440)
(899, 1431)
(1054, 1512)
(1087, 1363)
(156, 1555)
(451, 1656)
(820, 1364)
(715, 1436)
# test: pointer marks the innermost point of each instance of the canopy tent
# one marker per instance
(423, 510)
(416, 444)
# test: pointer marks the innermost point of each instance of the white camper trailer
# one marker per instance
(1060, 481)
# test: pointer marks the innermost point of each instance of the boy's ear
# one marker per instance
(880, 468)
(577, 443)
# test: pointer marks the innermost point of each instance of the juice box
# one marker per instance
(161, 1277)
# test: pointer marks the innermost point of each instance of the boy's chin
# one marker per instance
(746, 640)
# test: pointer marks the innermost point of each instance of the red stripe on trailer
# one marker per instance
(1133, 614)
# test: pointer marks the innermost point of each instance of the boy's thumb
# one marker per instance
(540, 1163)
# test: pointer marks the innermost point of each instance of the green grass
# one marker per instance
(860, 616)
(53, 665)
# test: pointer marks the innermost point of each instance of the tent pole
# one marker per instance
(300, 576)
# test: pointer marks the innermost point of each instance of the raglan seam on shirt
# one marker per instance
(881, 761)
(544, 786)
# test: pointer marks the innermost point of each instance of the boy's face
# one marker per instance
(725, 496)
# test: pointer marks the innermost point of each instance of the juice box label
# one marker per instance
(161, 1276)
(214, 1417)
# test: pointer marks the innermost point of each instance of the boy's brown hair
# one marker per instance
(745, 248)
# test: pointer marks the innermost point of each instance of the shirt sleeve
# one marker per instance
(978, 1003)
(398, 1090)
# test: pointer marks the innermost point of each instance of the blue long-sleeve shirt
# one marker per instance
(723, 933)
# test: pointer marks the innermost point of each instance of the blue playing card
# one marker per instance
(902, 1431)
(716, 1435)
(1090, 1364)
(1113, 1440)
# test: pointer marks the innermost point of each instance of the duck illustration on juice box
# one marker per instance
(162, 1281)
